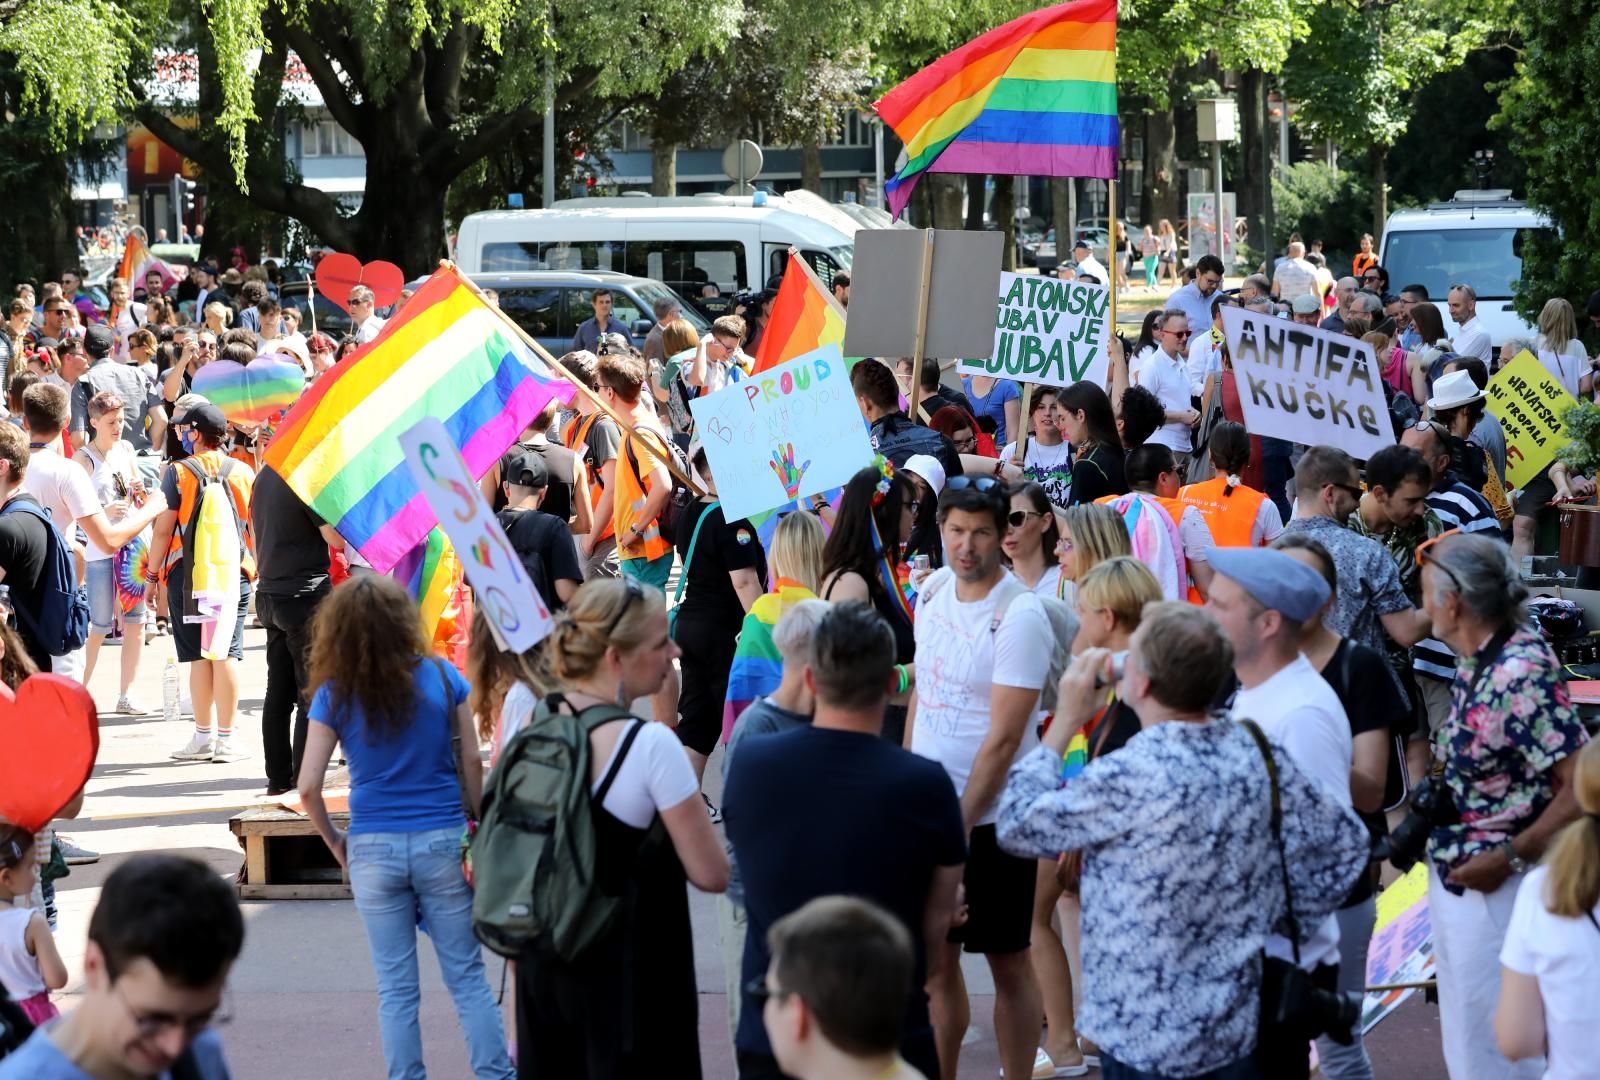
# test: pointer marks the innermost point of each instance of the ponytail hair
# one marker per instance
(614, 613)
(1572, 888)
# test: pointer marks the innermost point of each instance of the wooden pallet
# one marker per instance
(285, 859)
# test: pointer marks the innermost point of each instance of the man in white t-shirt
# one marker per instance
(1262, 598)
(1083, 255)
(363, 314)
(1165, 373)
(983, 647)
(1470, 339)
(1047, 459)
(1294, 276)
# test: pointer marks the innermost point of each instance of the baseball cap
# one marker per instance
(1277, 581)
(206, 419)
(927, 467)
(185, 403)
(1306, 304)
(527, 469)
(99, 340)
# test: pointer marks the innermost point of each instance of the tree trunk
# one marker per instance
(1252, 145)
(663, 167)
(975, 200)
(1160, 198)
(1005, 215)
(405, 225)
(944, 189)
(1062, 198)
(1380, 188)
(811, 163)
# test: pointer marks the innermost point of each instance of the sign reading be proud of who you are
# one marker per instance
(1047, 331)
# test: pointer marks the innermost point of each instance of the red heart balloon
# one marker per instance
(51, 736)
(338, 273)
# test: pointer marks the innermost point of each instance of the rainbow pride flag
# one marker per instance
(447, 355)
(137, 262)
(757, 667)
(432, 573)
(1035, 97)
(805, 316)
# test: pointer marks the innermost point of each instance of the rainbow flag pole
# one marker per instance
(805, 316)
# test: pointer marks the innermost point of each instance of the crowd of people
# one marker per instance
(1089, 680)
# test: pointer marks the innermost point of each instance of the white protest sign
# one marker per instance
(783, 434)
(503, 590)
(1047, 331)
(1307, 385)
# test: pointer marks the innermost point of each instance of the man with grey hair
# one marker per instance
(1368, 304)
(666, 310)
(1295, 276)
(1261, 304)
(1344, 290)
(363, 316)
(1471, 339)
(1253, 286)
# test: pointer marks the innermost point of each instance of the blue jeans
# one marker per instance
(104, 604)
(1112, 1069)
(393, 875)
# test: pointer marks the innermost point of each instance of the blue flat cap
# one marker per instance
(1277, 581)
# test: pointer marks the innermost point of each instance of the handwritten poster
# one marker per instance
(1307, 385)
(785, 434)
(503, 590)
(1529, 403)
(1047, 331)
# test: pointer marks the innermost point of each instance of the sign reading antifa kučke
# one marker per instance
(1047, 331)
(1307, 385)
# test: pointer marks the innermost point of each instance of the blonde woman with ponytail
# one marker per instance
(1550, 962)
(628, 1004)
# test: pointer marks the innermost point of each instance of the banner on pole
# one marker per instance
(785, 434)
(1048, 331)
(1529, 403)
(504, 592)
(1307, 385)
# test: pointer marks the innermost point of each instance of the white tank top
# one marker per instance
(119, 462)
(19, 971)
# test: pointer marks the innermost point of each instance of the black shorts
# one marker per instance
(707, 646)
(1536, 495)
(999, 890)
(186, 635)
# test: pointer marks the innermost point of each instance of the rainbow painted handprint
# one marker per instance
(783, 465)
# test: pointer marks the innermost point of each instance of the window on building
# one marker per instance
(325, 138)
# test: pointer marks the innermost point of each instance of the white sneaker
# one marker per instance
(127, 705)
(223, 750)
(198, 748)
(185, 706)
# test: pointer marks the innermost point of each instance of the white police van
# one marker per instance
(735, 243)
(1475, 239)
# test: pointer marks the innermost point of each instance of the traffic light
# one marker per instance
(182, 195)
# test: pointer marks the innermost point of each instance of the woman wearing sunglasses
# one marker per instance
(1088, 534)
(1031, 540)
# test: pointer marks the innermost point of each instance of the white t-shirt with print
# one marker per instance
(1299, 710)
(1048, 466)
(959, 662)
(1563, 954)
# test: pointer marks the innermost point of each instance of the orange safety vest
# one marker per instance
(632, 489)
(1231, 518)
(1174, 509)
(577, 430)
(240, 483)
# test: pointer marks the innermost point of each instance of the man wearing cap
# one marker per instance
(213, 682)
(1306, 309)
(1083, 255)
(139, 397)
(1262, 599)
(542, 541)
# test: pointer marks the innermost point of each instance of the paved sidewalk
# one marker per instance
(303, 995)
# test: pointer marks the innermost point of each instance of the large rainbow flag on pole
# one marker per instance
(137, 262)
(447, 354)
(805, 317)
(1035, 97)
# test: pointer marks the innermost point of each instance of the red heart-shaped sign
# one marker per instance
(338, 273)
(51, 736)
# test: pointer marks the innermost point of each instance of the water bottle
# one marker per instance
(169, 690)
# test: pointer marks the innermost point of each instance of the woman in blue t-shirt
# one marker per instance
(998, 399)
(395, 708)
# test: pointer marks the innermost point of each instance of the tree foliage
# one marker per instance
(1548, 109)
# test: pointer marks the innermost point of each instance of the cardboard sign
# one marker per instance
(507, 596)
(782, 435)
(1529, 403)
(1307, 385)
(1047, 331)
(886, 288)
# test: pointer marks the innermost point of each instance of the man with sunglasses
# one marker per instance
(1165, 373)
(1370, 601)
(1375, 279)
(161, 941)
(70, 280)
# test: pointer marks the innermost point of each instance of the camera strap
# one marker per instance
(1277, 830)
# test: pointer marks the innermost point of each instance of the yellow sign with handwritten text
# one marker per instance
(1529, 403)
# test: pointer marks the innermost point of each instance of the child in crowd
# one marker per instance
(30, 966)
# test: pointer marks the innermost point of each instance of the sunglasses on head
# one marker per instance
(1424, 556)
(635, 592)
(976, 483)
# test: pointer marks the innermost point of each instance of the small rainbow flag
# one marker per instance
(137, 262)
(447, 355)
(757, 667)
(805, 316)
(431, 572)
(1035, 97)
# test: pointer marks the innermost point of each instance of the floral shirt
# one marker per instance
(1369, 581)
(1177, 904)
(1500, 746)
(1401, 543)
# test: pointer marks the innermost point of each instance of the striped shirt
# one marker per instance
(1457, 507)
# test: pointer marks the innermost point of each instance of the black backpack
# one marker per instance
(681, 496)
(518, 525)
(61, 624)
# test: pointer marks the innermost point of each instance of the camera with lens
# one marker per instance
(1431, 807)
(1290, 1001)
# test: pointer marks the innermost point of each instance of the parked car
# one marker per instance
(329, 318)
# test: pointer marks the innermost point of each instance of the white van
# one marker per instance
(1474, 239)
(733, 242)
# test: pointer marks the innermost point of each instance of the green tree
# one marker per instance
(1546, 110)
